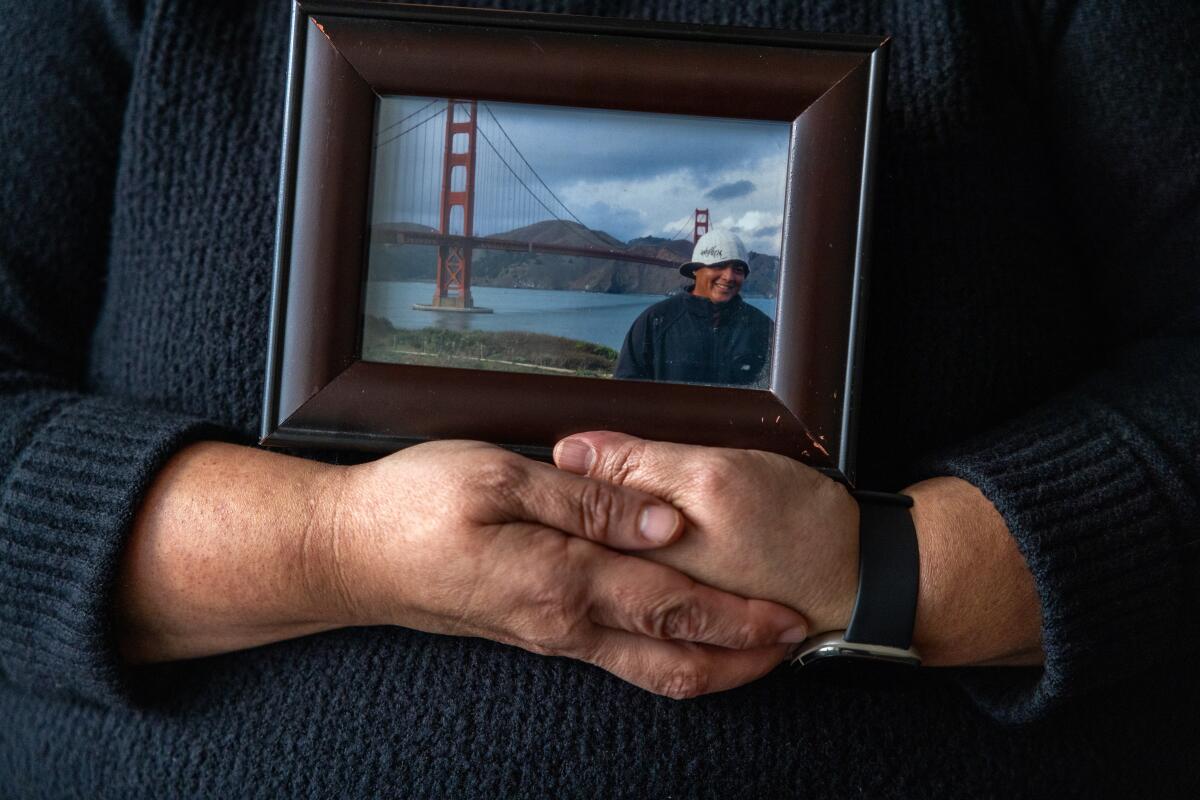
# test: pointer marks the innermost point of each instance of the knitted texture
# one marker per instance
(1033, 329)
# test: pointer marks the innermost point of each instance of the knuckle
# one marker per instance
(561, 636)
(539, 649)
(626, 462)
(751, 634)
(501, 475)
(553, 635)
(598, 508)
(675, 619)
(682, 682)
(556, 613)
(714, 475)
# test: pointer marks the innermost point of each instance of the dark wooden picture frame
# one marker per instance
(344, 55)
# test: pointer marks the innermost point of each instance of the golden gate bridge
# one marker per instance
(464, 185)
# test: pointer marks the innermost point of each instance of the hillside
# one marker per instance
(559, 272)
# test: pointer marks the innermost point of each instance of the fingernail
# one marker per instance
(794, 635)
(657, 523)
(574, 455)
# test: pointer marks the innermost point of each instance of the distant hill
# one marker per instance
(545, 271)
(564, 232)
(764, 275)
(672, 249)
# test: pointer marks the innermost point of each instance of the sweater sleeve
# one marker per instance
(1101, 486)
(73, 464)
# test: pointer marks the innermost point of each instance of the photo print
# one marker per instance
(574, 241)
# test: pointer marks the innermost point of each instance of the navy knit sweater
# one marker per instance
(1034, 323)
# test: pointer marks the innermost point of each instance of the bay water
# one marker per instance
(585, 316)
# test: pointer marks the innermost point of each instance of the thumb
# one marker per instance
(662, 469)
(619, 517)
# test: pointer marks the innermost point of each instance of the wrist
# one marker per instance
(880, 625)
(360, 531)
(976, 602)
(326, 548)
(224, 554)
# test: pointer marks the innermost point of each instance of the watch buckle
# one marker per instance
(833, 644)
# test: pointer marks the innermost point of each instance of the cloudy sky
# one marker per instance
(630, 174)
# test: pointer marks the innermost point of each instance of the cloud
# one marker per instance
(674, 226)
(566, 145)
(629, 174)
(760, 230)
(662, 205)
(624, 223)
(730, 191)
(636, 206)
(751, 221)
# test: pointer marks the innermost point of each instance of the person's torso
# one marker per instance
(973, 316)
(973, 308)
(693, 340)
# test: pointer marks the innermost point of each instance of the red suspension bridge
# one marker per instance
(464, 185)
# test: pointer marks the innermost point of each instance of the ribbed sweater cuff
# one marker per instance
(66, 509)
(1099, 541)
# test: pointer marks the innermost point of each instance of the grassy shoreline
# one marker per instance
(508, 351)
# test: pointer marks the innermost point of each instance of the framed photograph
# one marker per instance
(513, 227)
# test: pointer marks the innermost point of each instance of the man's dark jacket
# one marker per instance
(694, 340)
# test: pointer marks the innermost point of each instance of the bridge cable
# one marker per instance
(543, 183)
(691, 219)
(406, 117)
(518, 177)
(408, 130)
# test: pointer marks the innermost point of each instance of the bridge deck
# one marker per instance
(389, 235)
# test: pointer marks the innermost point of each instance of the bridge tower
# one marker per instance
(701, 224)
(457, 208)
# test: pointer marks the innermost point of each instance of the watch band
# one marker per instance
(885, 608)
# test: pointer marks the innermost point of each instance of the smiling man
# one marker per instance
(708, 334)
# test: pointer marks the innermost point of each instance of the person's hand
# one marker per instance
(766, 526)
(235, 547)
(759, 524)
(465, 538)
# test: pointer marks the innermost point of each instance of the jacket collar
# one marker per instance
(715, 314)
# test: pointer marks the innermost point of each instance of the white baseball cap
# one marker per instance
(716, 247)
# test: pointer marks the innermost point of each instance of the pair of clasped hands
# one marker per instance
(680, 569)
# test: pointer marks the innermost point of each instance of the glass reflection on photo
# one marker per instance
(568, 241)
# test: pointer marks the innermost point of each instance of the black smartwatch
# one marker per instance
(881, 626)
